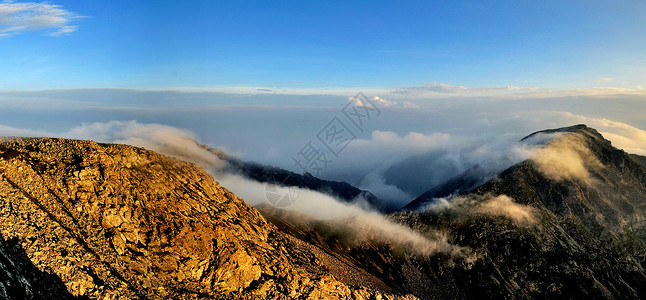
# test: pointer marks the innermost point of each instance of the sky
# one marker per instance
(457, 83)
(321, 45)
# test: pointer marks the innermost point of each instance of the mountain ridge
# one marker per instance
(471, 179)
(531, 234)
(115, 220)
(119, 221)
(278, 176)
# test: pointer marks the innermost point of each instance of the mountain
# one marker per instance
(567, 223)
(476, 176)
(82, 219)
(274, 175)
(107, 221)
(466, 181)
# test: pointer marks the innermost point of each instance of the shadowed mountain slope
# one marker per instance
(568, 223)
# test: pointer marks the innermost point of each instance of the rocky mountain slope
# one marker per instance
(118, 222)
(575, 222)
(568, 223)
(639, 159)
(80, 219)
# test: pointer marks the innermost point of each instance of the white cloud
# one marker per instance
(385, 167)
(504, 205)
(431, 90)
(428, 89)
(605, 79)
(404, 97)
(9, 131)
(384, 103)
(164, 139)
(629, 138)
(501, 205)
(623, 136)
(566, 157)
(17, 17)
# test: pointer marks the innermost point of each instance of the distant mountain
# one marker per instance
(476, 176)
(570, 129)
(612, 189)
(269, 174)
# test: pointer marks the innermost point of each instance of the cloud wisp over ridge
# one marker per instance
(18, 17)
(180, 143)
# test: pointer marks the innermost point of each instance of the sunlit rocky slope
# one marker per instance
(119, 222)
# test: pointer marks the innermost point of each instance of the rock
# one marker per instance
(148, 227)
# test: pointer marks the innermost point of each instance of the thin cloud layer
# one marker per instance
(622, 135)
(384, 103)
(504, 205)
(9, 131)
(427, 89)
(18, 17)
(501, 205)
(164, 139)
(566, 158)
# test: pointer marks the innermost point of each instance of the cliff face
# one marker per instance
(119, 222)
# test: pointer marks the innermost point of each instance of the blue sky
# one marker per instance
(326, 45)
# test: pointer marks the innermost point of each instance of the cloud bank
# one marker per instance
(565, 158)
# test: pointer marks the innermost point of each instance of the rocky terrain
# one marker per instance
(530, 232)
(100, 221)
(109, 221)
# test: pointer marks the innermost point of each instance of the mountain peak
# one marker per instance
(579, 128)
